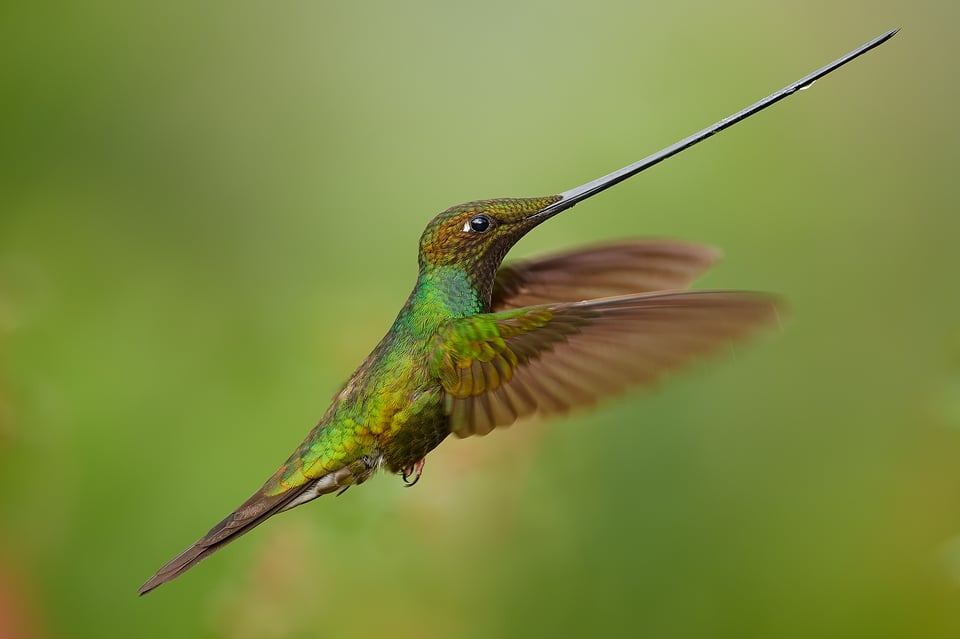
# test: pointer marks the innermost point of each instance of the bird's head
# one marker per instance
(477, 235)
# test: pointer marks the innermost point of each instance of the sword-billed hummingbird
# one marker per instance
(479, 345)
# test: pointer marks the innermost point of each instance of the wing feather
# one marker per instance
(603, 270)
(566, 355)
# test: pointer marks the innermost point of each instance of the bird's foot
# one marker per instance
(413, 471)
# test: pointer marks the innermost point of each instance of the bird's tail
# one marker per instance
(257, 509)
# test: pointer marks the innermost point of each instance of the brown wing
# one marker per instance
(498, 367)
(605, 270)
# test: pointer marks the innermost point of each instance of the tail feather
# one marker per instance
(253, 512)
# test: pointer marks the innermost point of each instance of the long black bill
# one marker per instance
(573, 196)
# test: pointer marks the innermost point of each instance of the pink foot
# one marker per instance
(413, 471)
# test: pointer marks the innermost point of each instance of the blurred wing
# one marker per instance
(498, 367)
(605, 270)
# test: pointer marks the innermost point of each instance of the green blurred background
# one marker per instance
(209, 215)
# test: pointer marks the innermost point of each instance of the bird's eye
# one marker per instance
(478, 224)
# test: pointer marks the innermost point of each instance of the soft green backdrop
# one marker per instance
(209, 215)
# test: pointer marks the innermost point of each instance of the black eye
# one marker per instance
(478, 224)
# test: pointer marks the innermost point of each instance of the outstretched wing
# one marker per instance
(605, 270)
(498, 367)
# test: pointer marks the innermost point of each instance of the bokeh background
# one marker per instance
(209, 215)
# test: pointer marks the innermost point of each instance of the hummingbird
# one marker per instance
(479, 345)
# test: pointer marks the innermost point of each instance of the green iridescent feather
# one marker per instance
(472, 349)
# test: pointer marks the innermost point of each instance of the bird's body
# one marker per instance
(477, 345)
(466, 353)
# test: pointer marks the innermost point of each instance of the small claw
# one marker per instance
(413, 471)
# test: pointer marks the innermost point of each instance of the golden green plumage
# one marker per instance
(478, 346)
(462, 358)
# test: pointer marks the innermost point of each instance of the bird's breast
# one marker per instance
(415, 430)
